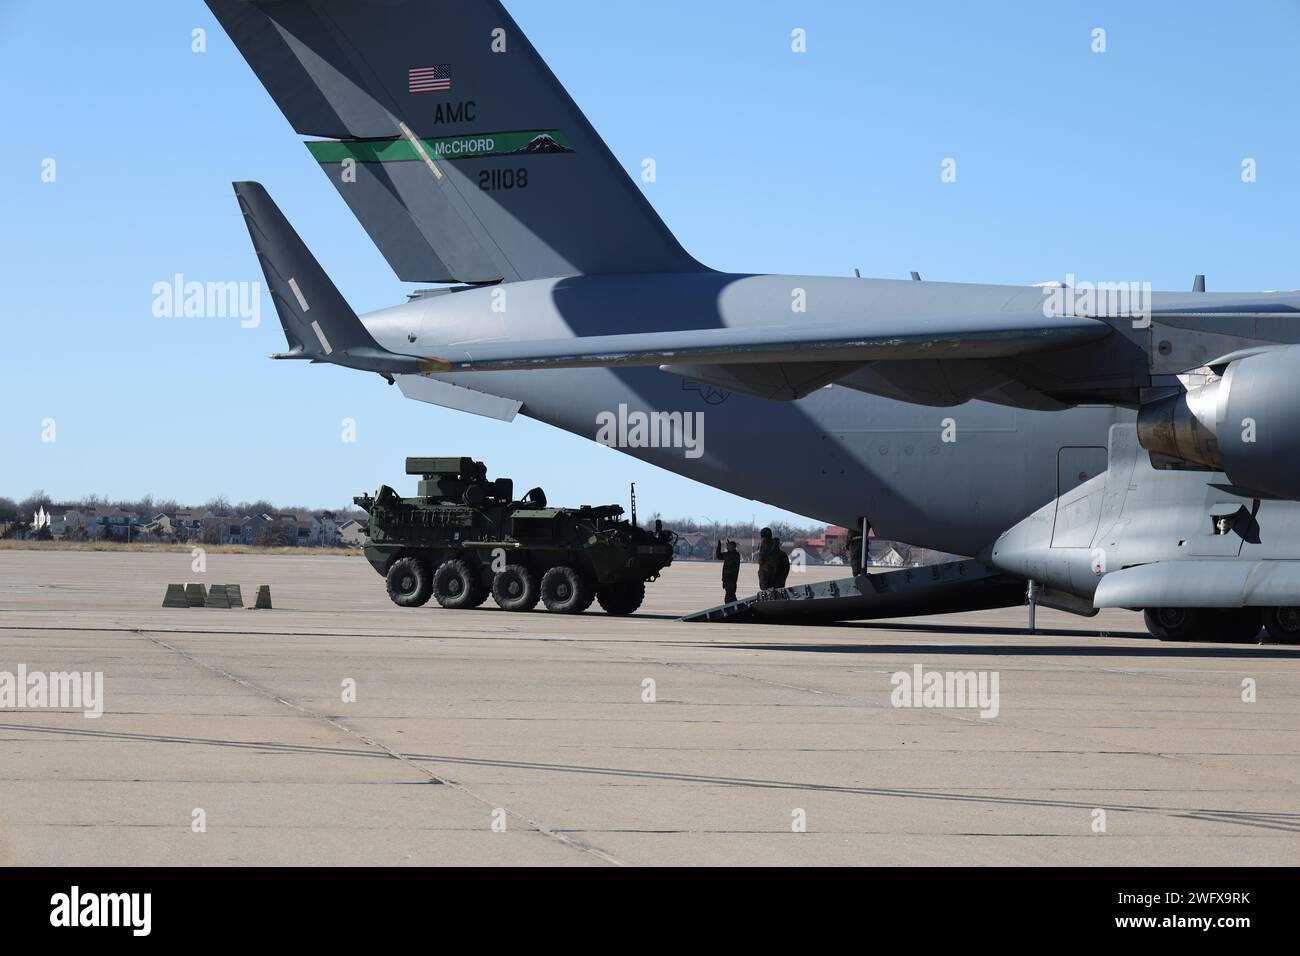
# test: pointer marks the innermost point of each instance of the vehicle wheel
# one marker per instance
(1283, 624)
(409, 584)
(455, 585)
(515, 588)
(564, 591)
(621, 599)
(1176, 623)
(1235, 625)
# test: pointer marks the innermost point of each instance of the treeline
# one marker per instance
(722, 530)
(148, 507)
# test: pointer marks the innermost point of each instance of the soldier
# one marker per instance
(730, 569)
(766, 560)
(780, 564)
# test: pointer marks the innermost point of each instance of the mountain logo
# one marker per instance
(543, 143)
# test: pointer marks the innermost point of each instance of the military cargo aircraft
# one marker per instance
(1117, 447)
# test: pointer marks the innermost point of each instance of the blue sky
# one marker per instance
(1120, 165)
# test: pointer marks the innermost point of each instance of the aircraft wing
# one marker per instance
(998, 335)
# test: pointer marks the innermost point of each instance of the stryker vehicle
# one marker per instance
(464, 537)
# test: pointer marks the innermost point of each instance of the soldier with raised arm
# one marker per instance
(730, 569)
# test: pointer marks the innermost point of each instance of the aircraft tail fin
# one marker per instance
(318, 323)
(453, 143)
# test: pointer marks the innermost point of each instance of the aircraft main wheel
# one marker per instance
(564, 591)
(1235, 625)
(409, 584)
(621, 599)
(1283, 624)
(455, 585)
(515, 588)
(1176, 623)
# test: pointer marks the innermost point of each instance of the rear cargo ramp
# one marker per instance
(969, 585)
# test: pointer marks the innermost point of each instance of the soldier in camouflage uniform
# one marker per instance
(780, 564)
(730, 569)
(766, 560)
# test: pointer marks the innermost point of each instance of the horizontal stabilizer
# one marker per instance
(317, 321)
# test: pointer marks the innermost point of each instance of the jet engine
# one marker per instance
(1246, 424)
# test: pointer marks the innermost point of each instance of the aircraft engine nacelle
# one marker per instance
(1247, 424)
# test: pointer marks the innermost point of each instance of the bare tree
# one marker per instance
(218, 505)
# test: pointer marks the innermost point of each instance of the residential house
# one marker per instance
(812, 552)
(352, 533)
(694, 546)
(187, 524)
(81, 524)
(160, 526)
(835, 542)
(306, 528)
(886, 556)
(329, 528)
(119, 525)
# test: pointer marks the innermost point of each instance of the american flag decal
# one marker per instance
(429, 79)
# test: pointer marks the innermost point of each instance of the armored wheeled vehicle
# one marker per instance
(464, 537)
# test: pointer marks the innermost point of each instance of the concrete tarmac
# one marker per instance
(484, 737)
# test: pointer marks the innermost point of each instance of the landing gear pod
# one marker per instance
(1202, 558)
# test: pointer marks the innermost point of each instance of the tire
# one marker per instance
(621, 600)
(1236, 625)
(1176, 623)
(515, 588)
(455, 585)
(565, 591)
(1283, 624)
(409, 582)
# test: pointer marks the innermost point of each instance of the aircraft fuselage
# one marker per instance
(949, 478)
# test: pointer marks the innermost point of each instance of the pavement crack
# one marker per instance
(380, 746)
